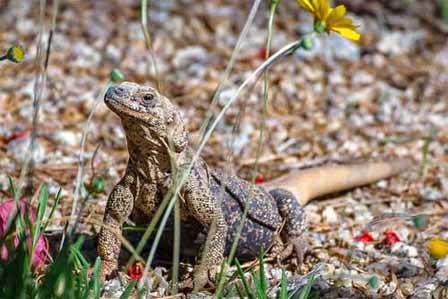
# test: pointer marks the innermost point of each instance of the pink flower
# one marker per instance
(7, 208)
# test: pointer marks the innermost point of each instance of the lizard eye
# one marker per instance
(148, 97)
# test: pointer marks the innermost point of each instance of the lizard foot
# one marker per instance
(285, 253)
(204, 276)
(281, 250)
(300, 247)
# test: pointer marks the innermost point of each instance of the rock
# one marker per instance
(402, 249)
(113, 288)
(190, 55)
(362, 78)
(397, 42)
(364, 94)
(86, 55)
(442, 263)
(442, 274)
(330, 215)
(17, 148)
(442, 56)
(430, 193)
(405, 270)
(424, 290)
(67, 137)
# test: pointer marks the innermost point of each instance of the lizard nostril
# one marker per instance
(119, 90)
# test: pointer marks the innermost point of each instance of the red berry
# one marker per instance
(135, 271)
(259, 179)
(262, 53)
(364, 238)
(391, 238)
(17, 135)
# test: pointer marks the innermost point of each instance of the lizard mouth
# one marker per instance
(113, 103)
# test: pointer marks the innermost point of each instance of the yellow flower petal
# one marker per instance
(346, 22)
(347, 33)
(306, 4)
(318, 10)
(325, 9)
(330, 19)
(437, 247)
(316, 5)
(336, 14)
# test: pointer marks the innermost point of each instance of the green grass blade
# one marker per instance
(425, 154)
(257, 285)
(96, 278)
(12, 187)
(249, 292)
(283, 293)
(220, 275)
(305, 294)
(444, 9)
(53, 208)
(176, 249)
(127, 292)
(263, 280)
(43, 199)
(239, 291)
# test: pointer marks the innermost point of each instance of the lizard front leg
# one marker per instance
(206, 208)
(291, 211)
(119, 206)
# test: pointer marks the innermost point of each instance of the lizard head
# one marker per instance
(146, 114)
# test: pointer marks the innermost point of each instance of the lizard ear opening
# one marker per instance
(177, 133)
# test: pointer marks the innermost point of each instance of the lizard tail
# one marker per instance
(314, 182)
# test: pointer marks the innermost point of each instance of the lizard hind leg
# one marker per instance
(295, 220)
(119, 207)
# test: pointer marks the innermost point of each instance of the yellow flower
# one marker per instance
(437, 247)
(15, 54)
(329, 19)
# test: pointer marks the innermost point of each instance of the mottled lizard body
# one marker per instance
(158, 144)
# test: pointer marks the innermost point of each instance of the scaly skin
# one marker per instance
(157, 138)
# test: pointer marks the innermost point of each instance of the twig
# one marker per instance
(79, 177)
(39, 86)
(225, 76)
(148, 42)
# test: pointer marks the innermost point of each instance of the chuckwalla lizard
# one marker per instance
(152, 123)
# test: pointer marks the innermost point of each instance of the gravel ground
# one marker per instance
(383, 98)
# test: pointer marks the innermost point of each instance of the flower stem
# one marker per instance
(233, 248)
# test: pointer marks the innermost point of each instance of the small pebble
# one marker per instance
(330, 215)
